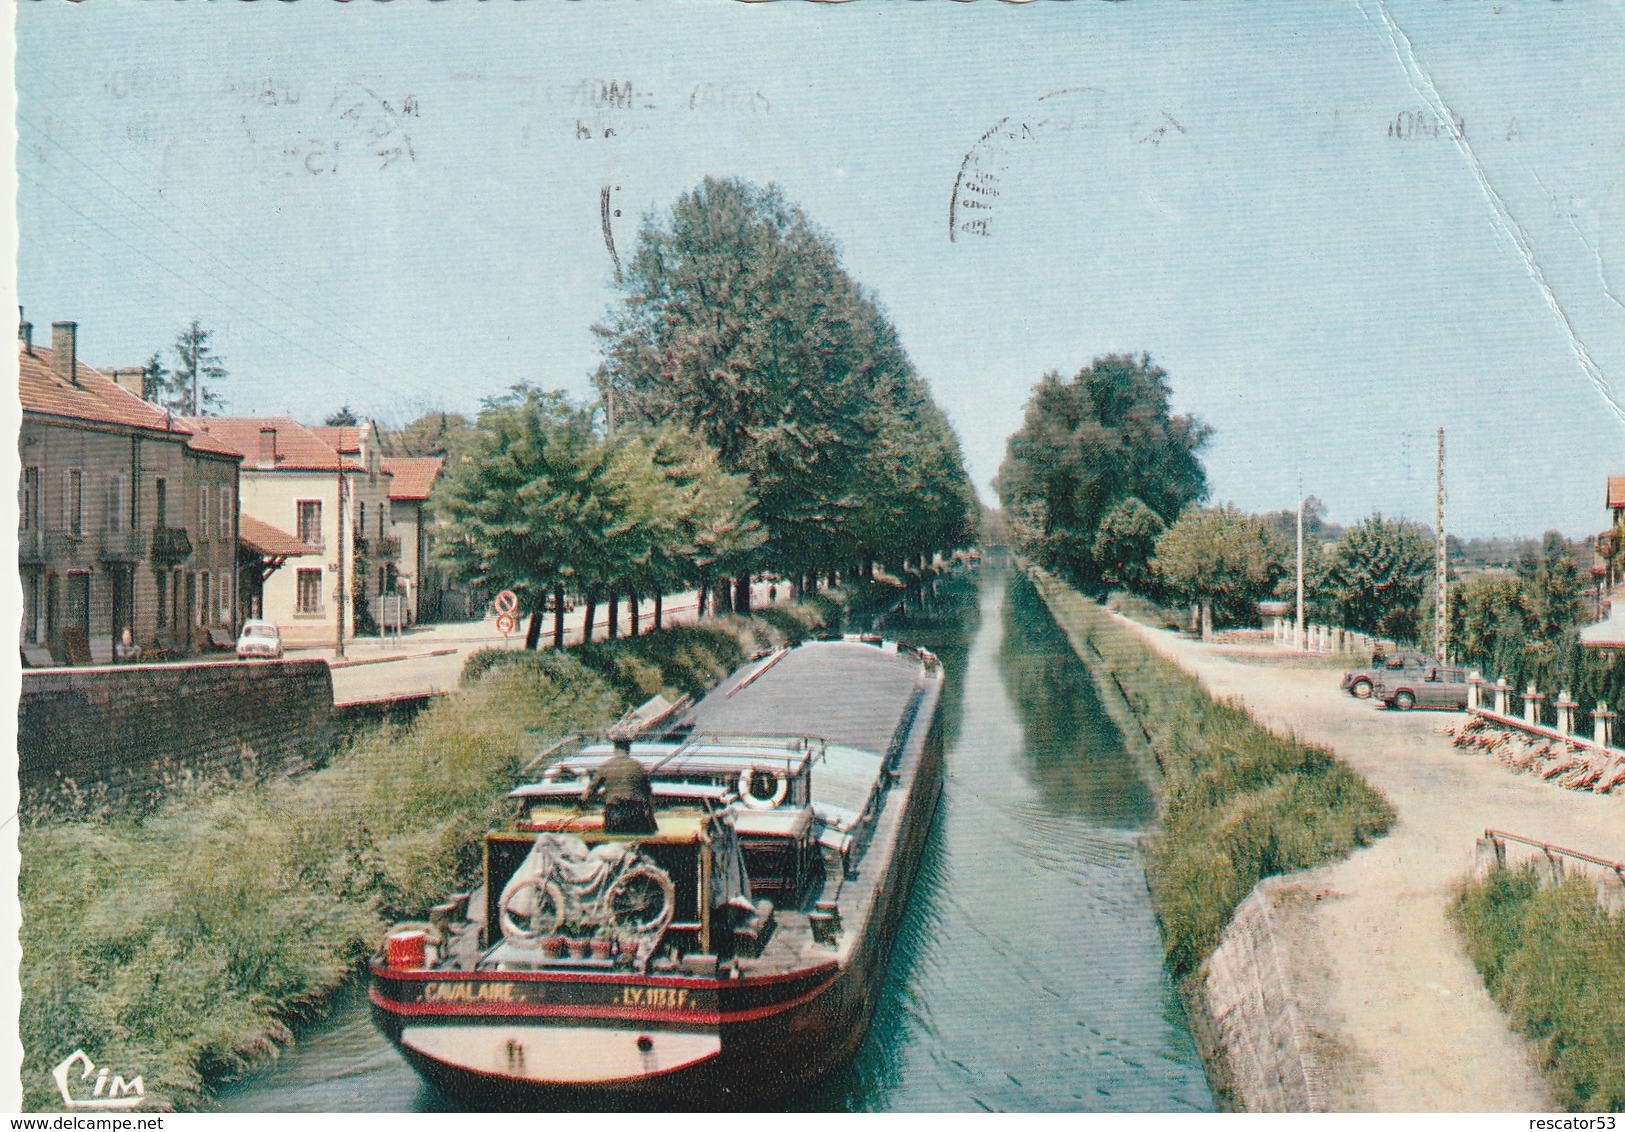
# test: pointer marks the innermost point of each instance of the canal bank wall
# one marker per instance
(88, 737)
(1214, 876)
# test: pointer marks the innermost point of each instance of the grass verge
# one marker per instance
(1236, 802)
(180, 943)
(1555, 963)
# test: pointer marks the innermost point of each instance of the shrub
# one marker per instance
(1555, 962)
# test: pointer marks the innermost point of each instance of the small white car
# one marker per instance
(259, 639)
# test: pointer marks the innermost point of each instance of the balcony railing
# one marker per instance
(170, 545)
(124, 545)
(378, 547)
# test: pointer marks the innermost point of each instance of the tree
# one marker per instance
(1553, 597)
(521, 510)
(1378, 575)
(344, 418)
(1125, 543)
(192, 388)
(436, 433)
(1222, 558)
(737, 321)
(1088, 444)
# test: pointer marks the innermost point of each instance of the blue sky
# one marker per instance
(398, 207)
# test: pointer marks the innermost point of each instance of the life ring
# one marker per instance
(755, 801)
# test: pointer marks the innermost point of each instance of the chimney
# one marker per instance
(267, 448)
(65, 345)
(132, 381)
(25, 333)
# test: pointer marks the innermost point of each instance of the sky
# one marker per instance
(1337, 231)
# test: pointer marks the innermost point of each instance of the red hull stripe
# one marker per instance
(618, 1013)
(431, 975)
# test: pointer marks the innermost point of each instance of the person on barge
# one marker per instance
(628, 796)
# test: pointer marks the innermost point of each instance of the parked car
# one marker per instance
(259, 639)
(1434, 685)
(1361, 681)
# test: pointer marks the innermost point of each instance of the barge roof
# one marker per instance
(850, 693)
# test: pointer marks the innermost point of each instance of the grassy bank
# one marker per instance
(180, 943)
(1555, 963)
(1236, 802)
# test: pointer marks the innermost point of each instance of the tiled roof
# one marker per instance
(342, 438)
(94, 398)
(1616, 492)
(298, 448)
(412, 476)
(263, 538)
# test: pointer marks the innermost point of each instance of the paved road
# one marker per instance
(1405, 1022)
(430, 658)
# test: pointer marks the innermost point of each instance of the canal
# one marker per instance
(1027, 976)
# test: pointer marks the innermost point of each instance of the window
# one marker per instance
(160, 502)
(73, 502)
(30, 503)
(309, 597)
(202, 513)
(31, 588)
(223, 596)
(203, 593)
(225, 511)
(361, 522)
(310, 522)
(163, 598)
(381, 510)
(115, 504)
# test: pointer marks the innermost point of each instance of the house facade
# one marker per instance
(127, 517)
(325, 489)
(412, 478)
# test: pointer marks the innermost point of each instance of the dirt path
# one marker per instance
(1404, 1020)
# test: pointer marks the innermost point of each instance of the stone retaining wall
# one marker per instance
(90, 736)
(1253, 1021)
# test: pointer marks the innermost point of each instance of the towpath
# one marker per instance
(1401, 1019)
(429, 658)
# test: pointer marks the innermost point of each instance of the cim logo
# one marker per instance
(108, 1092)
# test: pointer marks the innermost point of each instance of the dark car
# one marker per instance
(1361, 681)
(1434, 685)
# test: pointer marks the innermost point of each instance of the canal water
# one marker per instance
(1027, 976)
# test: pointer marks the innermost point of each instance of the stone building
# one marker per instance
(127, 515)
(327, 489)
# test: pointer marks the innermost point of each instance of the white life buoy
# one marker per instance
(755, 801)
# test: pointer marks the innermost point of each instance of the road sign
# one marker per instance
(505, 623)
(506, 603)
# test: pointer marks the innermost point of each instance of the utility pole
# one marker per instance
(344, 594)
(1441, 606)
(1297, 641)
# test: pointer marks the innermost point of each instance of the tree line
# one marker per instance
(759, 414)
(1103, 483)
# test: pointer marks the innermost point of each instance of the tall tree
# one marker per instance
(345, 417)
(193, 387)
(737, 321)
(1088, 444)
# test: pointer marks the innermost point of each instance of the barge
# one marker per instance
(732, 955)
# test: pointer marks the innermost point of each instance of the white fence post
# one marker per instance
(1501, 695)
(1475, 690)
(1531, 706)
(1602, 725)
(1565, 713)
